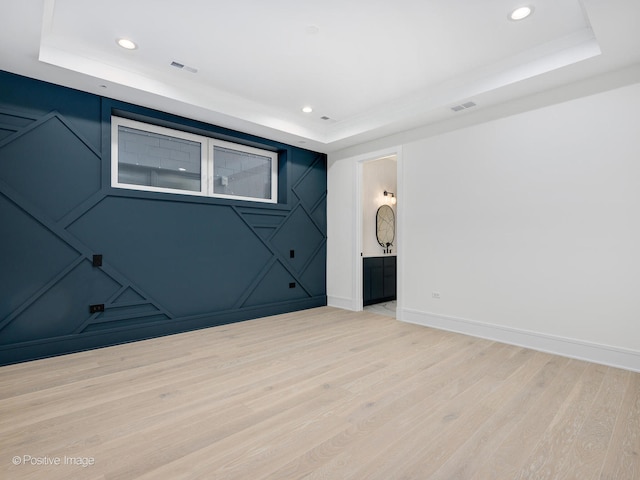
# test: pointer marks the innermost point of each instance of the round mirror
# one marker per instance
(385, 226)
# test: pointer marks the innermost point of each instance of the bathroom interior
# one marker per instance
(379, 235)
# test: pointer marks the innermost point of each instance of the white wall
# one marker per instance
(341, 220)
(377, 176)
(528, 226)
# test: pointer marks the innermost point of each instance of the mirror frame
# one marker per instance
(387, 211)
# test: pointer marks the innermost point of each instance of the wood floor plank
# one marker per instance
(322, 393)
(588, 453)
(485, 416)
(377, 421)
(417, 453)
(623, 455)
(495, 459)
(559, 437)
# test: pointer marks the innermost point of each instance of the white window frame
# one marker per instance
(117, 122)
(207, 161)
(213, 142)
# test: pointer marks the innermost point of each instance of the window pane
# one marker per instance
(241, 174)
(151, 159)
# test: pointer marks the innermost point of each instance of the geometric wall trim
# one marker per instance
(32, 257)
(62, 307)
(277, 273)
(300, 233)
(48, 184)
(12, 121)
(310, 188)
(189, 258)
(170, 263)
(127, 296)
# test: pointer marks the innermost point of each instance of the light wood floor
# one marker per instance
(323, 393)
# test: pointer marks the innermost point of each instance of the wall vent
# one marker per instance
(463, 106)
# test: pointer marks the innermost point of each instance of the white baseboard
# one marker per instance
(341, 302)
(566, 347)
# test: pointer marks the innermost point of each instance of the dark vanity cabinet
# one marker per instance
(379, 282)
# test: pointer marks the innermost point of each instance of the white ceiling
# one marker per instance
(374, 67)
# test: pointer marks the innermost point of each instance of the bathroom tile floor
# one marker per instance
(386, 308)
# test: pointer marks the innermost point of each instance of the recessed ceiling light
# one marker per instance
(521, 13)
(307, 109)
(126, 43)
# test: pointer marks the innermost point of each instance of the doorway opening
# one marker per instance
(378, 239)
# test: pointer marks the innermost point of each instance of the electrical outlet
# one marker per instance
(96, 308)
(435, 294)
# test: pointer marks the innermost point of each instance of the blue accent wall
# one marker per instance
(171, 262)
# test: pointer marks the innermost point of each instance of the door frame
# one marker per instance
(357, 267)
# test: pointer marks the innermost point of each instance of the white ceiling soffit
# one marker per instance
(367, 67)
